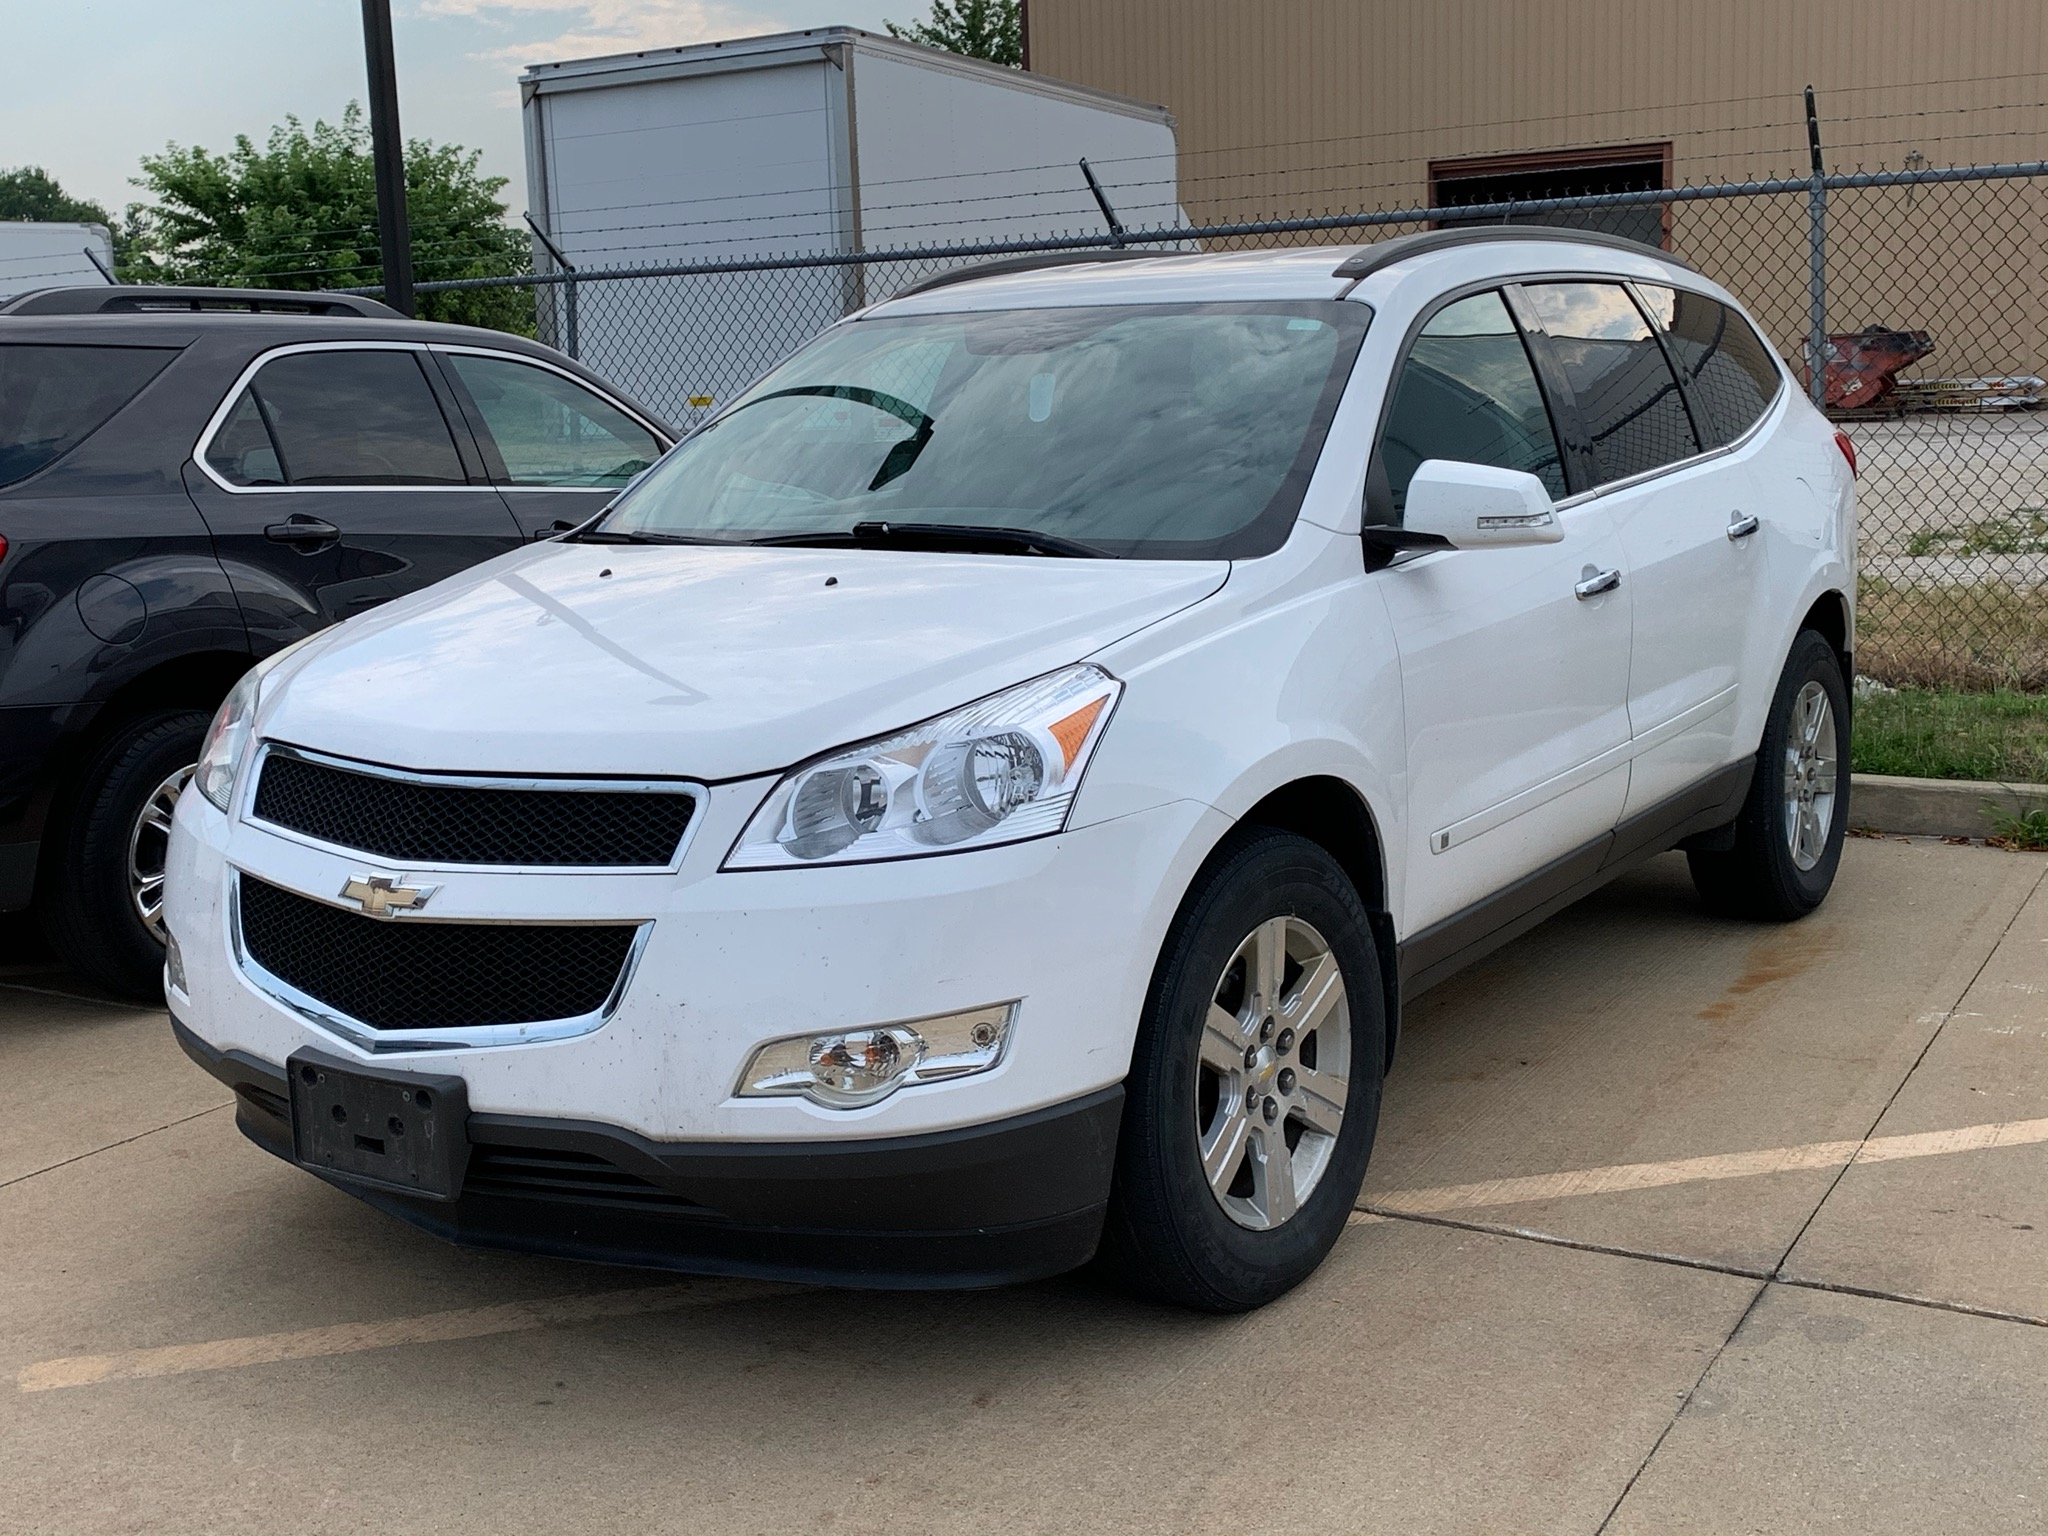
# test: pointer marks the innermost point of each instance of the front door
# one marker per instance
(335, 480)
(1514, 662)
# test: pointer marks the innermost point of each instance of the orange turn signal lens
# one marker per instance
(1073, 731)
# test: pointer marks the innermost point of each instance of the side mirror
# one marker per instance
(1476, 506)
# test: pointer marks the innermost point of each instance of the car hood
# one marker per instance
(709, 663)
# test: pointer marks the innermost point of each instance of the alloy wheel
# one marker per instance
(149, 845)
(1275, 1073)
(1811, 770)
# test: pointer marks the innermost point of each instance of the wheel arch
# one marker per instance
(1335, 816)
(1829, 616)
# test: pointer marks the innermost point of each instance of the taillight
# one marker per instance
(3, 546)
(1848, 450)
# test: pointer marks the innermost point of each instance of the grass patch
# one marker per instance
(2028, 833)
(2023, 533)
(1926, 733)
(1981, 637)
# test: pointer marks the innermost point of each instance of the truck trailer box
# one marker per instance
(795, 145)
(37, 255)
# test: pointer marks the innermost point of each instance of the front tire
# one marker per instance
(1254, 1090)
(1788, 839)
(101, 895)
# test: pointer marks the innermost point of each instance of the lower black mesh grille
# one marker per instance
(534, 1173)
(427, 823)
(415, 975)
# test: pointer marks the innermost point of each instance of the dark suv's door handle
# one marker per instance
(1596, 582)
(1741, 525)
(300, 529)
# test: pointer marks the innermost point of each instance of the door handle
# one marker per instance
(301, 529)
(1741, 525)
(1596, 582)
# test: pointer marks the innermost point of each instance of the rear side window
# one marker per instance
(1725, 364)
(551, 430)
(1467, 392)
(347, 416)
(1627, 397)
(54, 398)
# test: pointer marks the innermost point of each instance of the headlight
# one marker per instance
(997, 771)
(227, 741)
(226, 747)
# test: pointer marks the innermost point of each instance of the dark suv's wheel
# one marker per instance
(1254, 1090)
(101, 887)
(1788, 839)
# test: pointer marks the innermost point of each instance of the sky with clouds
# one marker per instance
(93, 85)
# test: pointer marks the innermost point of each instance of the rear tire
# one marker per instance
(1788, 839)
(103, 870)
(1238, 1165)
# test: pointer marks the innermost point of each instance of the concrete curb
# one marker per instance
(1936, 807)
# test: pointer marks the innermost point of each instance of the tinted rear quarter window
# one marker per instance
(347, 416)
(1627, 397)
(1726, 365)
(52, 398)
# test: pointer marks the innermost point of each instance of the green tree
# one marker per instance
(981, 29)
(30, 192)
(302, 213)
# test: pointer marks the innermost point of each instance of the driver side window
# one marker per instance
(1467, 391)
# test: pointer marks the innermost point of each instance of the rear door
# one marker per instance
(337, 476)
(1514, 684)
(1680, 513)
(557, 449)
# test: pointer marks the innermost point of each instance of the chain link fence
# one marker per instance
(1913, 303)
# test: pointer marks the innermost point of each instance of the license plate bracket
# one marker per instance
(404, 1131)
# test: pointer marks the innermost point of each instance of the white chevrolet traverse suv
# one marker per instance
(983, 799)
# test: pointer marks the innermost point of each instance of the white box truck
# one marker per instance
(35, 255)
(825, 141)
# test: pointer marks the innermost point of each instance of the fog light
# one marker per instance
(174, 965)
(848, 1068)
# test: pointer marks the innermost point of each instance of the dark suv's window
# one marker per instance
(1627, 397)
(551, 430)
(52, 398)
(344, 416)
(1725, 364)
(1467, 392)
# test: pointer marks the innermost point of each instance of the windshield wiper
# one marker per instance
(633, 536)
(967, 538)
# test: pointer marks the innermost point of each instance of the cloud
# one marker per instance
(550, 30)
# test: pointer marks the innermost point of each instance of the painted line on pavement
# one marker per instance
(354, 1338)
(1619, 1177)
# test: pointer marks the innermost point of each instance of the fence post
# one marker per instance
(1817, 262)
(568, 337)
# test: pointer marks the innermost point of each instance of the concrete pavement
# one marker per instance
(1674, 1225)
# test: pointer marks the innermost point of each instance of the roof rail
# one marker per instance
(1385, 253)
(1031, 263)
(141, 298)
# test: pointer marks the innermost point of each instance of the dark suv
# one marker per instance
(191, 479)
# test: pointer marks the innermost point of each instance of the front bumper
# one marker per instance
(1015, 1200)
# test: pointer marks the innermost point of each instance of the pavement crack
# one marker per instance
(125, 1141)
(1947, 1014)
(1679, 1412)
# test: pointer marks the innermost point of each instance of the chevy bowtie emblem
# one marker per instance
(382, 895)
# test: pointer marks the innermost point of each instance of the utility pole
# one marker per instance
(387, 147)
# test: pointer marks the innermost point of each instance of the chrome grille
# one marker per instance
(414, 975)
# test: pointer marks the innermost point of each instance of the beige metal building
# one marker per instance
(1294, 107)
(1288, 105)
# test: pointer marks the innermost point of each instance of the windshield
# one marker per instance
(1151, 431)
